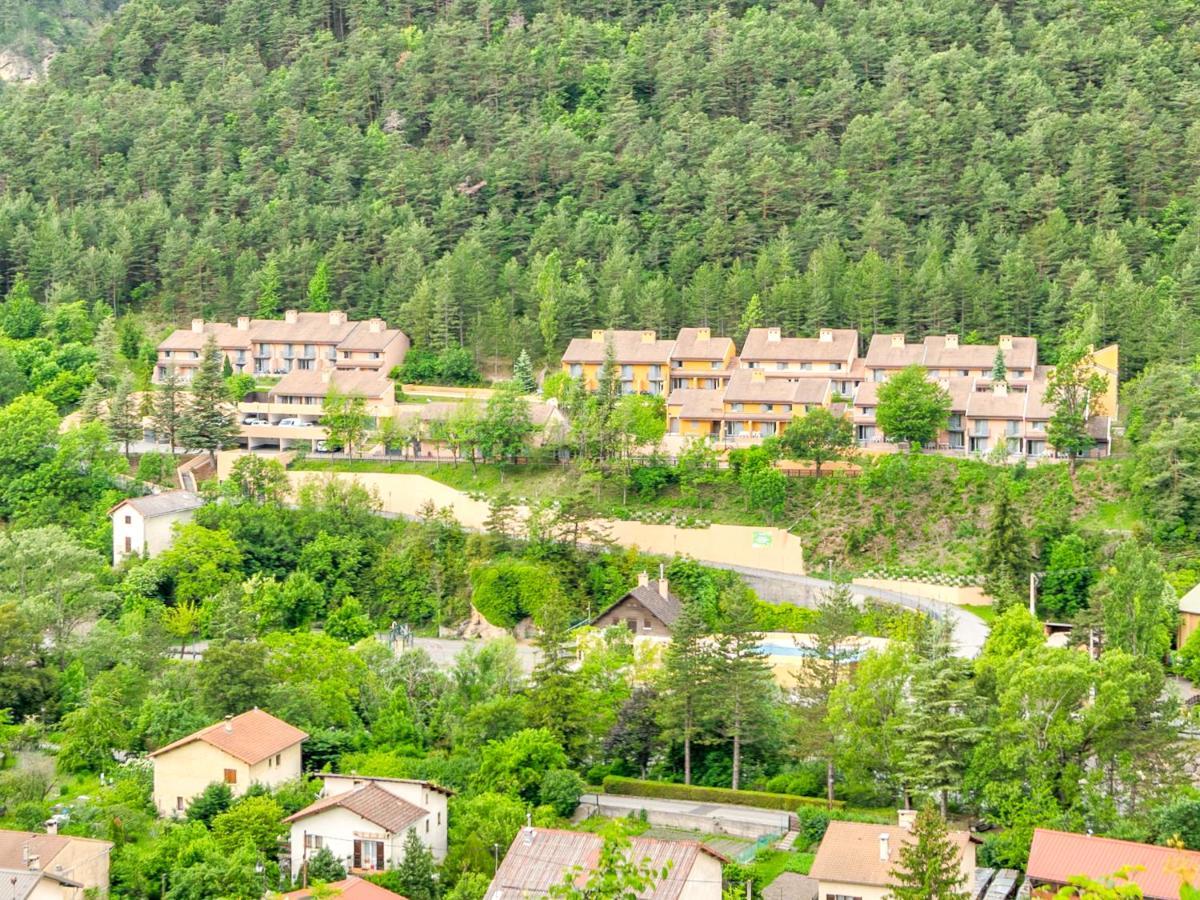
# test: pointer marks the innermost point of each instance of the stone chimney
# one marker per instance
(35, 863)
(662, 582)
(243, 323)
(704, 334)
(643, 578)
(51, 826)
(826, 335)
(952, 342)
(375, 326)
(648, 337)
(774, 335)
(291, 316)
(1006, 342)
(884, 854)
(907, 818)
(1000, 389)
(897, 340)
(337, 317)
(197, 325)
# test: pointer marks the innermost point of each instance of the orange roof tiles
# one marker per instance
(250, 737)
(1056, 856)
(391, 813)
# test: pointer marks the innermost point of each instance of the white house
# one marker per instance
(253, 748)
(364, 821)
(145, 525)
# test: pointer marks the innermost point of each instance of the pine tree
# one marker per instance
(208, 422)
(105, 344)
(556, 689)
(415, 872)
(168, 408)
(319, 295)
(267, 303)
(930, 865)
(687, 667)
(999, 369)
(124, 424)
(523, 373)
(1006, 553)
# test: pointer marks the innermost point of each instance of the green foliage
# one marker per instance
(208, 421)
(523, 373)
(507, 590)
(912, 408)
(634, 787)
(254, 822)
(453, 366)
(324, 866)
(1068, 578)
(348, 623)
(344, 417)
(415, 876)
(519, 764)
(560, 790)
(210, 803)
(818, 436)
(158, 468)
(929, 866)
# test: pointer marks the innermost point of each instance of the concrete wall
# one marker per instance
(714, 824)
(959, 596)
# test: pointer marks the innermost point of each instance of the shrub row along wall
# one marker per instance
(633, 787)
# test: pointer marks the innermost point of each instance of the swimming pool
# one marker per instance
(793, 650)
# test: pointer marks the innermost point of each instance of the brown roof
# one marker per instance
(666, 609)
(882, 355)
(15, 844)
(228, 337)
(352, 888)
(350, 776)
(850, 852)
(1057, 856)
(250, 737)
(311, 383)
(373, 803)
(1023, 354)
(540, 858)
(990, 405)
(696, 403)
(629, 347)
(750, 386)
(162, 504)
(841, 346)
(361, 337)
(691, 344)
(309, 328)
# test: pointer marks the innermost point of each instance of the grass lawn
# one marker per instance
(1113, 515)
(987, 613)
(770, 864)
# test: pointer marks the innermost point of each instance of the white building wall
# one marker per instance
(339, 828)
(433, 831)
(147, 537)
(704, 881)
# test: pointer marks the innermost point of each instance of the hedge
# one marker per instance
(665, 790)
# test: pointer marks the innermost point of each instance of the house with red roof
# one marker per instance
(1055, 857)
(352, 888)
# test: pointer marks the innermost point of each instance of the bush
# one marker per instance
(649, 481)
(561, 790)
(453, 366)
(210, 803)
(633, 787)
(324, 866)
(158, 468)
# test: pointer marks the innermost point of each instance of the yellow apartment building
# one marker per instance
(700, 361)
(642, 360)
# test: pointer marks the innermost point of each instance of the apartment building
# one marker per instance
(306, 342)
(945, 357)
(831, 354)
(642, 359)
(700, 361)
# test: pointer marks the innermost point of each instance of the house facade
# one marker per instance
(643, 361)
(37, 866)
(145, 526)
(647, 610)
(364, 822)
(855, 859)
(251, 748)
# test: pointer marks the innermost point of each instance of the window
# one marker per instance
(278, 758)
(1012, 427)
(716, 365)
(835, 367)
(368, 855)
(179, 803)
(439, 815)
(781, 366)
(129, 520)
(626, 372)
(655, 372)
(768, 407)
(576, 370)
(231, 776)
(737, 407)
(805, 367)
(128, 544)
(955, 423)
(878, 375)
(313, 841)
(841, 897)
(427, 817)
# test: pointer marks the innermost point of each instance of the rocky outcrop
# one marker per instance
(17, 67)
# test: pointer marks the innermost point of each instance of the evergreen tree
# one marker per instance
(930, 865)
(169, 408)
(208, 421)
(267, 302)
(556, 694)
(523, 373)
(124, 423)
(320, 298)
(686, 680)
(999, 369)
(324, 866)
(1006, 553)
(107, 352)
(415, 874)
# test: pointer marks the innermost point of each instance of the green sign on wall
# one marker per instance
(761, 539)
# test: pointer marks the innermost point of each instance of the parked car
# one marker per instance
(255, 420)
(295, 423)
(321, 446)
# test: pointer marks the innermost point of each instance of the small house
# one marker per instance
(35, 866)
(146, 525)
(648, 609)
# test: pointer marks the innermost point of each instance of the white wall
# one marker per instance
(148, 537)
(416, 793)
(704, 881)
(339, 828)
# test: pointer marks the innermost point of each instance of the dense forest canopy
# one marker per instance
(510, 174)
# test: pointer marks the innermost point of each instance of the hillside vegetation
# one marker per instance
(507, 175)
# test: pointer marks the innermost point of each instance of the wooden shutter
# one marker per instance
(358, 854)
(379, 855)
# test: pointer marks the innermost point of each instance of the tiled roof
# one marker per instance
(750, 386)
(842, 346)
(1023, 354)
(371, 802)
(311, 383)
(666, 609)
(990, 405)
(228, 337)
(540, 858)
(1057, 856)
(363, 338)
(309, 328)
(881, 354)
(351, 776)
(696, 403)
(850, 852)
(153, 505)
(250, 737)
(352, 888)
(15, 844)
(690, 344)
(629, 347)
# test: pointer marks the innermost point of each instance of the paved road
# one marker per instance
(712, 818)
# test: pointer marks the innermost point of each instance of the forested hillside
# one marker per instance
(506, 174)
(32, 30)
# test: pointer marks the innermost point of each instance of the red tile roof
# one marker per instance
(1056, 856)
(352, 888)
(383, 808)
(250, 737)
(850, 852)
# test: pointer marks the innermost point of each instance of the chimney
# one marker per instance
(648, 337)
(952, 342)
(662, 582)
(229, 724)
(598, 335)
(704, 334)
(35, 863)
(1000, 389)
(897, 340)
(528, 835)
(826, 335)
(243, 323)
(337, 317)
(907, 818)
(51, 826)
(1006, 342)
(884, 855)
(197, 325)
(375, 326)
(291, 316)
(758, 375)
(643, 579)
(774, 335)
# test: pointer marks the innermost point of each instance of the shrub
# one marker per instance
(324, 866)
(158, 468)
(561, 789)
(210, 803)
(633, 787)
(649, 481)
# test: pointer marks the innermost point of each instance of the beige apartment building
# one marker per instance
(251, 748)
(643, 360)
